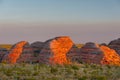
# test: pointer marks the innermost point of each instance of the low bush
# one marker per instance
(57, 72)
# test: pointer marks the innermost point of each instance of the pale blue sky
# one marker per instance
(39, 20)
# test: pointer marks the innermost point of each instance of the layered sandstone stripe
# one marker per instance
(115, 44)
(89, 53)
(14, 53)
(56, 49)
(94, 53)
(110, 56)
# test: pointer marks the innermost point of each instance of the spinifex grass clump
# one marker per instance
(58, 72)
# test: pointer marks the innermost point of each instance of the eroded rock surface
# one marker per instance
(115, 44)
(26, 55)
(89, 53)
(3, 52)
(55, 50)
(110, 56)
(94, 53)
(15, 53)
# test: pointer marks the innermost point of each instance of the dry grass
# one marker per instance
(79, 45)
(58, 72)
(7, 46)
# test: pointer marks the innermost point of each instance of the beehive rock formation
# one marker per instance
(25, 56)
(3, 52)
(37, 46)
(31, 53)
(89, 53)
(110, 56)
(61, 50)
(55, 50)
(94, 53)
(15, 53)
(115, 44)
(74, 54)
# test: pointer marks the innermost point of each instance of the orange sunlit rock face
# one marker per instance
(60, 47)
(15, 53)
(110, 56)
(55, 50)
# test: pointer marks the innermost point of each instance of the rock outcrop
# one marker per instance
(26, 55)
(110, 56)
(55, 50)
(37, 46)
(15, 53)
(115, 44)
(94, 53)
(74, 54)
(31, 53)
(3, 52)
(89, 53)
(61, 50)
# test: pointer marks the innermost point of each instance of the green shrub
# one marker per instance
(98, 78)
(54, 70)
(75, 67)
(58, 72)
(83, 78)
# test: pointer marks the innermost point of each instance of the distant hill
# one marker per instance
(7, 46)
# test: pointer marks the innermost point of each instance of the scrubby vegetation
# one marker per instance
(7, 46)
(58, 72)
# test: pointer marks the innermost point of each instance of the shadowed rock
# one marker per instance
(103, 44)
(74, 54)
(31, 53)
(91, 53)
(3, 52)
(14, 53)
(26, 55)
(115, 44)
(37, 44)
(55, 50)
